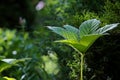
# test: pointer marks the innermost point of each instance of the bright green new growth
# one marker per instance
(84, 37)
(81, 39)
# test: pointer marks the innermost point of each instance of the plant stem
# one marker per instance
(81, 67)
(81, 62)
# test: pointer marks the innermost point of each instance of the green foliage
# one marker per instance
(38, 42)
(51, 65)
(21, 57)
(8, 63)
(81, 39)
(111, 12)
(7, 78)
(78, 18)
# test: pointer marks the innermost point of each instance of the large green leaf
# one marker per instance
(73, 32)
(106, 28)
(87, 41)
(88, 27)
(85, 36)
(59, 31)
(84, 44)
(68, 32)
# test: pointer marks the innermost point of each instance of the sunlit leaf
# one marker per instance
(73, 32)
(84, 44)
(59, 31)
(7, 63)
(106, 28)
(8, 78)
(88, 27)
(85, 36)
(68, 32)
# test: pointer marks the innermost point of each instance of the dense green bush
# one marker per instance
(111, 12)
(19, 45)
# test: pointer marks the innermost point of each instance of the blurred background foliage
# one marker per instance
(23, 35)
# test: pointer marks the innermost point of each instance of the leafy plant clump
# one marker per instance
(81, 39)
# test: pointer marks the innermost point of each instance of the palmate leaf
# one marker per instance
(88, 27)
(85, 36)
